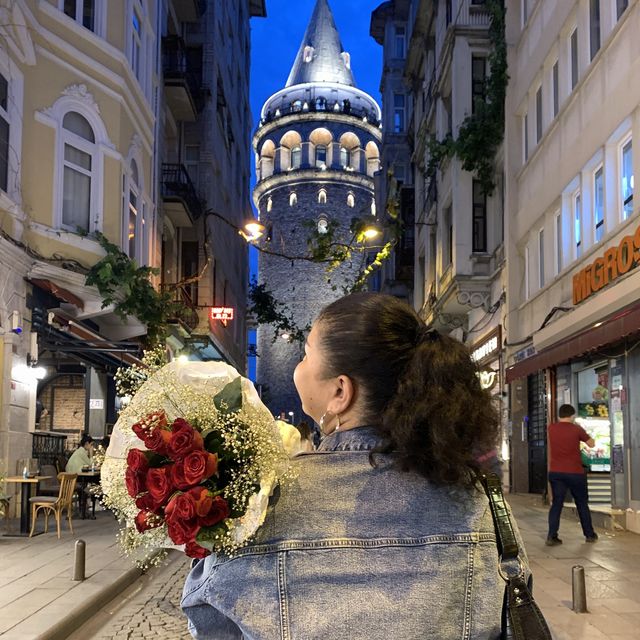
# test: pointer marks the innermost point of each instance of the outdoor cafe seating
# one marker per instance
(55, 504)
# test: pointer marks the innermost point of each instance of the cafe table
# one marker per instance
(25, 494)
(84, 479)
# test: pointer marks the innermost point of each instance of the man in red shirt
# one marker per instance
(566, 472)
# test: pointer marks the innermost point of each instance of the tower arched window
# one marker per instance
(296, 105)
(308, 53)
(79, 179)
(296, 157)
(321, 155)
(345, 157)
(321, 104)
(373, 207)
(269, 204)
(323, 224)
(293, 199)
(322, 197)
(351, 200)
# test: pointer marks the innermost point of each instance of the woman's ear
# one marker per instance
(344, 395)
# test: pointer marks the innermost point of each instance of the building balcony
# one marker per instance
(183, 87)
(187, 316)
(181, 202)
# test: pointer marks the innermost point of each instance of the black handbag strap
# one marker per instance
(522, 618)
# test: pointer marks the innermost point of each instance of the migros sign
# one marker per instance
(614, 263)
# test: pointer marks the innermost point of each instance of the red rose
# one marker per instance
(181, 507)
(158, 440)
(194, 550)
(147, 520)
(202, 500)
(182, 531)
(137, 461)
(199, 466)
(159, 484)
(184, 440)
(179, 424)
(135, 482)
(145, 502)
(218, 511)
(158, 419)
(177, 476)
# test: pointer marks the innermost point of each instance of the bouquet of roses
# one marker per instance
(193, 460)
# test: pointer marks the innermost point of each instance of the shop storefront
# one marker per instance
(590, 356)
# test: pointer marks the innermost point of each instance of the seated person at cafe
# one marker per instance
(82, 456)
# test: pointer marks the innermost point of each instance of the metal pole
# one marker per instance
(78, 560)
(579, 590)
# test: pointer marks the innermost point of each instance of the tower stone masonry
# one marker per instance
(317, 150)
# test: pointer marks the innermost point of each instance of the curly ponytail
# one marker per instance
(420, 389)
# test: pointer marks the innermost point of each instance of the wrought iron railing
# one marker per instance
(175, 66)
(177, 185)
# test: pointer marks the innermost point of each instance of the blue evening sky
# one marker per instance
(275, 41)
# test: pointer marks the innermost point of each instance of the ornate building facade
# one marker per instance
(317, 150)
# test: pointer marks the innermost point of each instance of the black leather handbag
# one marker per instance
(521, 616)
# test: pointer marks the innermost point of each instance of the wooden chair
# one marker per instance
(55, 504)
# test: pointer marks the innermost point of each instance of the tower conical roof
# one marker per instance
(321, 57)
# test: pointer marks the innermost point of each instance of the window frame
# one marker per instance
(558, 239)
(539, 122)
(478, 84)
(595, 28)
(73, 140)
(629, 199)
(576, 213)
(319, 164)
(598, 221)
(525, 137)
(479, 242)
(527, 269)
(399, 113)
(574, 59)
(400, 41)
(295, 161)
(555, 88)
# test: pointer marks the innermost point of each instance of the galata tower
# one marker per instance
(317, 150)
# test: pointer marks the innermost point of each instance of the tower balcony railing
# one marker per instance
(321, 105)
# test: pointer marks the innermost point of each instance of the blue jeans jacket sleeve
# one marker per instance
(206, 622)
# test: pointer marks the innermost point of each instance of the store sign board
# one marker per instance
(488, 348)
(96, 403)
(613, 263)
(221, 313)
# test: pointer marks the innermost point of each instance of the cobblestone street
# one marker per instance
(148, 609)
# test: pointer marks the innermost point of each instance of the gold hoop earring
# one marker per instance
(322, 423)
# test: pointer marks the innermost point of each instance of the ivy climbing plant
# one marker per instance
(481, 133)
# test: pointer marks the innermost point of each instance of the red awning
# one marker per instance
(614, 328)
(61, 294)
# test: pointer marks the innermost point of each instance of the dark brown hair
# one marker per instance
(419, 388)
(566, 411)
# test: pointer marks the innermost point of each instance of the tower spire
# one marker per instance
(321, 57)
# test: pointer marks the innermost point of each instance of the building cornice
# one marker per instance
(313, 176)
(319, 117)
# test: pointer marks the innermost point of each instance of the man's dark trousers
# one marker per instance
(577, 484)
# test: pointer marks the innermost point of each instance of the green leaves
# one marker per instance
(122, 283)
(229, 400)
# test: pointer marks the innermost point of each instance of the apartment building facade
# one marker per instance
(573, 116)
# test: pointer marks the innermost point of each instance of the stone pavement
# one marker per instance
(39, 599)
(36, 592)
(148, 609)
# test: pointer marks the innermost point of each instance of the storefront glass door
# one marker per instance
(618, 409)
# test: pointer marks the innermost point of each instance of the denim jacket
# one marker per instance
(351, 551)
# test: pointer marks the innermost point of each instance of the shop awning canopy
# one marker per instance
(64, 295)
(612, 329)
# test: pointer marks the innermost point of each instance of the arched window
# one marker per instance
(351, 200)
(322, 197)
(373, 207)
(293, 199)
(79, 162)
(321, 104)
(269, 204)
(296, 157)
(296, 105)
(321, 155)
(323, 224)
(345, 157)
(134, 218)
(308, 53)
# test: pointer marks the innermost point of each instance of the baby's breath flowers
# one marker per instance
(193, 460)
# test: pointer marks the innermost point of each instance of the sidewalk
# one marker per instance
(612, 570)
(39, 601)
(38, 598)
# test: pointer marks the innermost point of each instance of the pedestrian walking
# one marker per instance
(566, 473)
(385, 531)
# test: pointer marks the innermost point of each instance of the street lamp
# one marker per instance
(371, 231)
(291, 416)
(253, 230)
